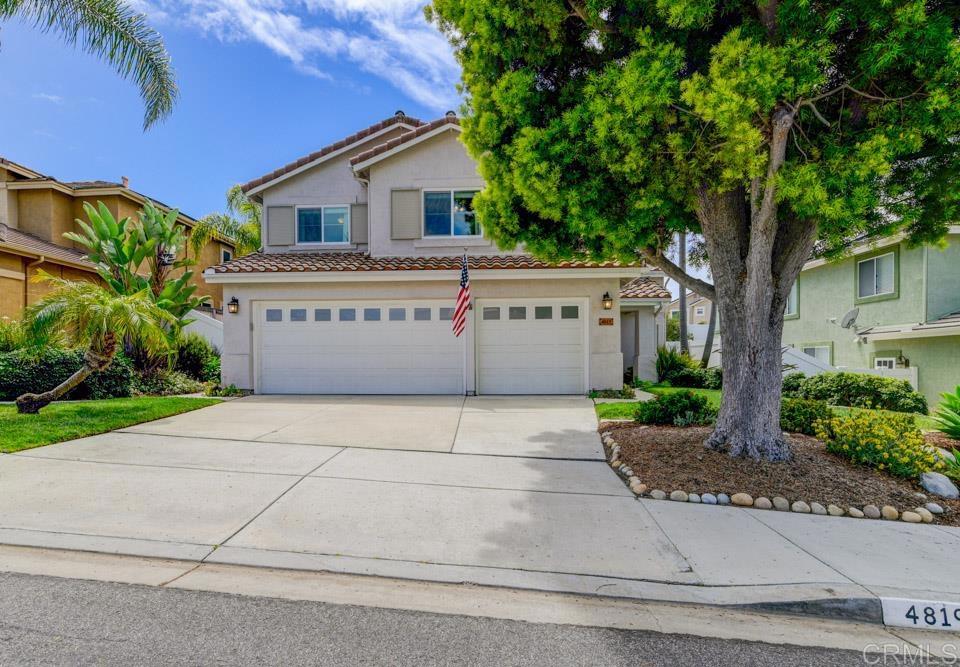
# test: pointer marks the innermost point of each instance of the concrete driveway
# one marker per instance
(510, 492)
(551, 427)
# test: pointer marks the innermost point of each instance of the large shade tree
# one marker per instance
(771, 127)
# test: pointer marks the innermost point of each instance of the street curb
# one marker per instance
(831, 602)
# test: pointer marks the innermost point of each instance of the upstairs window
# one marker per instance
(875, 276)
(449, 213)
(323, 224)
(793, 303)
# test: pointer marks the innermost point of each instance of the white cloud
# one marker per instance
(47, 97)
(390, 39)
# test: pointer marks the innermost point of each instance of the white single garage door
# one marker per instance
(358, 347)
(531, 346)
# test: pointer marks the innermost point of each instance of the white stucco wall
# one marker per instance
(604, 357)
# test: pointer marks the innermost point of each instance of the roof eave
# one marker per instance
(410, 275)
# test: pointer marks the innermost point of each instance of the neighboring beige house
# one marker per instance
(698, 309)
(35, 212)
(354, 290)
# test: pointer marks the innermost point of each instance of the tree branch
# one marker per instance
(655, 257)
(579, 10)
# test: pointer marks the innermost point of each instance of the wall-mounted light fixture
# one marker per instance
(233, 306)
(607, 301)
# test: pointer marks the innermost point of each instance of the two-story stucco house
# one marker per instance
(36, 210)
(354, 290)
(907, 312)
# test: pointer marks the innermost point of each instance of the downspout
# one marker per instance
(26, 278)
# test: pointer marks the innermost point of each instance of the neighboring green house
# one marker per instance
(908, 312)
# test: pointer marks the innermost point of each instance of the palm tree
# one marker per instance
(240, 224)
(113, 31)
(91, 315)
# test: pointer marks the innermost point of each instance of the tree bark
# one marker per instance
(708, 343)
(682, 263)
(755, 259)
(93, 362)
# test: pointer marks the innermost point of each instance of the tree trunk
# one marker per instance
(93, 362)
(708, 343)
(682, 263)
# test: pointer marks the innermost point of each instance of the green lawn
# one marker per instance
(75, 419)
(626, 410)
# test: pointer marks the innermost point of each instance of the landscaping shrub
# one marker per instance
(862, 390)
(165, 383)
(948, 414)
(679, 408)
(885, 441)
(792, 382)
(12, 335)
(37, 371)
(229, 390)
(625, 392)
(197, 358)
(679, 370)
(800, 415)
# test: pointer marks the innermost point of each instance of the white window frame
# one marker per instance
(878, 360)
(829, 360)
(224, 251)
(793, 299)
(323, 208)
(875, 259)
(451, 235)
(700, 311)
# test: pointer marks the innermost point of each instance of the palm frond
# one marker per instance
(113, 31)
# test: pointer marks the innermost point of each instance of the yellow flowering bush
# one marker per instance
(885, 441)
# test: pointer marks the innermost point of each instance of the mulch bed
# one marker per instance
(670, 458)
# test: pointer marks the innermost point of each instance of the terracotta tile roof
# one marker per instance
(399, 117)
(644, 288)
(299, 262)
(16, 239)
(449, 119)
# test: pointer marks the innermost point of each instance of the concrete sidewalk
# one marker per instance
(514, 518)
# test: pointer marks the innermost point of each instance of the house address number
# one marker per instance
(606, 321)
(921, 614)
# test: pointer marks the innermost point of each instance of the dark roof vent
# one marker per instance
(400, 114)
(451, 114)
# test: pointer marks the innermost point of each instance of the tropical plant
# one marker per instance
(92, 316)
(773, 128)
(12, 335)
(240, 224)
(113, 31)
(122, 249)
(948, 414)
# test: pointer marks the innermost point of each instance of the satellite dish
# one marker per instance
(850, 318)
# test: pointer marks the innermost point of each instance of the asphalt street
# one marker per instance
(53, 621)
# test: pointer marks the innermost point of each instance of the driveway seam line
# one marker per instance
(670, 540)
(154, 465)
(598, 459)
(813, 556)
(469, 486)
(456, 431)
(268, 506)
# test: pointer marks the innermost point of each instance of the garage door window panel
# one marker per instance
(371, 314)
(348, 314)
(421, 314)
(543, 312)
(321, 315)
(446, 313)
(518, 312)
(298, 315)
(274, 315)
(569, 312)
(491, 313)
(398, 314)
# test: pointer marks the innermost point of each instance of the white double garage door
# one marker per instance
(535, 346)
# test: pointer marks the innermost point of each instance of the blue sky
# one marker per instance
(262, 82)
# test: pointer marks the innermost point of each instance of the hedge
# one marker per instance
(22, 372)
(862, 390)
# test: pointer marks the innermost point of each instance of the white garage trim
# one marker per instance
(584, 315)
(324, 354)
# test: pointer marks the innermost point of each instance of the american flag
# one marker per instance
(463, 300)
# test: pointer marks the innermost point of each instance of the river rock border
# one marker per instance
(922, 514)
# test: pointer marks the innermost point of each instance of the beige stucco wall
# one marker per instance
(328, 184)
(605, 358)
(440, 162)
